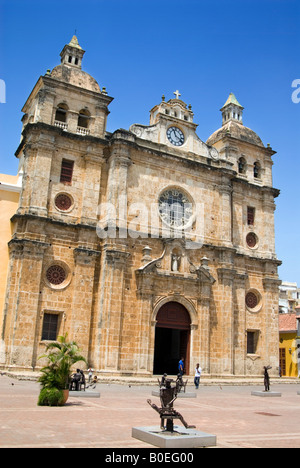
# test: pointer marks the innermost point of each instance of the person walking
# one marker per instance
(198, 371)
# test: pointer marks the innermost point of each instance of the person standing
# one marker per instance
(198, 371)
(90, 371)
(181, 366)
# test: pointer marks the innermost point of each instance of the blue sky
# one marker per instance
(141, 49)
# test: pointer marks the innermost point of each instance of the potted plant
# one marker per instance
(56, 375)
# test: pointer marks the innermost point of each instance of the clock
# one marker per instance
(175, 208)
(175, 136)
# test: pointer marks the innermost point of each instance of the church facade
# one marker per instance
(143, 245)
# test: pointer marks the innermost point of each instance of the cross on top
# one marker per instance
(177, 94)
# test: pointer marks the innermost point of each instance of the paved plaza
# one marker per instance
(238, 419)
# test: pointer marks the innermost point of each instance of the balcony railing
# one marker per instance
(64, 126)
(82, 131)
(59, 124)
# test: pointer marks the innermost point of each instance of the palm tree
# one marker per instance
(61, 355)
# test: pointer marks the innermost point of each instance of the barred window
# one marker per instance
(66, 172)
(250, 215)
(50, 327)
(251, 342)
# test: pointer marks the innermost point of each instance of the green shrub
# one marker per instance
(51, 397)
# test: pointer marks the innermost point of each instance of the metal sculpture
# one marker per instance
(168, 395)
(267, 378)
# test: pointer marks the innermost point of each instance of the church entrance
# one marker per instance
(172, 339)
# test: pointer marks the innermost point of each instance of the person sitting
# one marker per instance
(75, 379)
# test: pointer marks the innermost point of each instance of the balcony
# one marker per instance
(62, 125)
(82, 131)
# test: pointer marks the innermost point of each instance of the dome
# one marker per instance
(237, 130)
(75, 76)
(69, 71)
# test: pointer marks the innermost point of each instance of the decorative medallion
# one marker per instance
(63, 202)
(56, 275)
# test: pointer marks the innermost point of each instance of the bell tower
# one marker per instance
(232, 110)
(72, 53)
(69, 98)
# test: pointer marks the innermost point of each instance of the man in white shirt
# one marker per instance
(198, 371)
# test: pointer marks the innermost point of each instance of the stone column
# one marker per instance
(204, 325)
(119, 163)
(270, 337)
(240, 321)
(39, 178)
(226, 211)
(144, 352)
(85, 260)
(226, 320)
(91, 187)
(21, 310)
(268, 241)
(109, 319)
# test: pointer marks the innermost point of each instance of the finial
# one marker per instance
(163, 98)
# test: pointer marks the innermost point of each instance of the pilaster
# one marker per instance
(226, 320)
(110, 313)
(81, 312)
(91, 189)
(22, 301)
(119, 163)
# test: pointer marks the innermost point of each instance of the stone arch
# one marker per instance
(181, 300)
(172, 327)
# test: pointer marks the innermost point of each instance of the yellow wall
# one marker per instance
(288, 342)
(8, 207)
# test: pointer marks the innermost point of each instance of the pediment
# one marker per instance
(173, 114)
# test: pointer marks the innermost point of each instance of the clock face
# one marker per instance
(175, 136)
(175, 208)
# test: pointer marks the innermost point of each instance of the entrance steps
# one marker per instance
(153, 380)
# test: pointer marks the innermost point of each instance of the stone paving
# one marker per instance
(238, 419)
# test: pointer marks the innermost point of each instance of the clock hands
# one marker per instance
(175, 136)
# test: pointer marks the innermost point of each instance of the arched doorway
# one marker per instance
(172, 338)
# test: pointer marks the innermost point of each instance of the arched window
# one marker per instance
(61, 113)
(257, 170)
(83, 118)
(242, 166)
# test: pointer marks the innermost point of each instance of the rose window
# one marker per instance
(251, 239)
(63, 202)
(251, 300)
(56, 275)
(175, 208)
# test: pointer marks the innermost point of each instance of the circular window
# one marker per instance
(63, 202)
(251, 240)
(56, 275)
(253, 301)
(175, 208)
